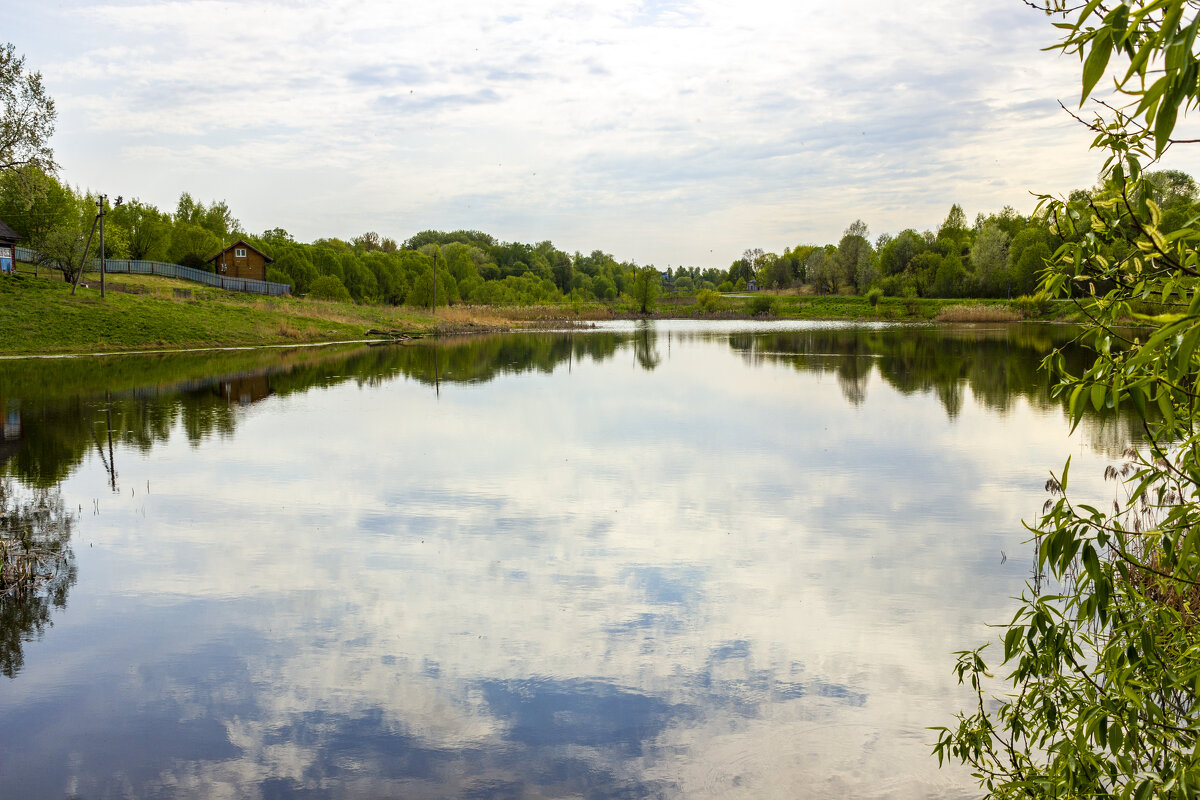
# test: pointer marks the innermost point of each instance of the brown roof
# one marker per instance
(7, 232)
(245, 244)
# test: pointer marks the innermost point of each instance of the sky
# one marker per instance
(665, 131)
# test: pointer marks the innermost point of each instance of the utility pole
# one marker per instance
(100, 202)
(436, 249)
(83, 261)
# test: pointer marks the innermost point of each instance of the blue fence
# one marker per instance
(166, 270)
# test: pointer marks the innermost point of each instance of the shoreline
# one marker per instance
(40, 319)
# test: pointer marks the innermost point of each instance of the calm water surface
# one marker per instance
(680, 561)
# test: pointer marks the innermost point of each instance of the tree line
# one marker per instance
(1002, 254)
(55, 218)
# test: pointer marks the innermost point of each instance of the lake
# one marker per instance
(678, 560)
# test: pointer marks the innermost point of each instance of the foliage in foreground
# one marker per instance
(1104, 674)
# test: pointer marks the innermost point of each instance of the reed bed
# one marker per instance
(978, 313)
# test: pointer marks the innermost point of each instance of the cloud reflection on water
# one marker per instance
(716, 578)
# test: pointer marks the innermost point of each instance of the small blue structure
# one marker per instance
(752, 285)
(8, 249)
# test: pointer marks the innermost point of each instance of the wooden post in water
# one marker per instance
(112, 464)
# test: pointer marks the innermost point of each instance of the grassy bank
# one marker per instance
(38, 315)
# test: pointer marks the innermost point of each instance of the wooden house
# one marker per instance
(241, 260)
(8, 249)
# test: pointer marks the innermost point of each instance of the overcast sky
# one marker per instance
(664, 131)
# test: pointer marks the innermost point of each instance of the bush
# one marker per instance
(1032, 305)
(874, 295)
(725, 286)
(279, 276)
(708, 300)
(891, 285)
(329, 287)
(762, 305)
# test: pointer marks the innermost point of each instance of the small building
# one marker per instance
(752, 285)
(8, 249)
(241, 260)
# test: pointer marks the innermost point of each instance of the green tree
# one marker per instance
(359, 280)
(1104, 675)
(193, 245)
(989, 257)
(821, 269)
(298, 266)
(27, 116)
(604, 288)
(64, 246)
(276, 275)
(923, 270)
(948, 281)
(1027, 256)
(954, 227)
(421, 293)
(647, 282)
(329, 287)
(780, 271)
(897, 253)
(867, 271)
(855, 256)
(33, 203)
(218, 219)
(147, 230)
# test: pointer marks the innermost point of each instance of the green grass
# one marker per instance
(39, 315)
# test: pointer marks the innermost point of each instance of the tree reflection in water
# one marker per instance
(38, 566)
(59, 410)
(645, 347)
(253, 670)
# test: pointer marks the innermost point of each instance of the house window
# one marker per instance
(239, 253)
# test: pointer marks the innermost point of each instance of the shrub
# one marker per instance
(762, 305)
(874, 295)
(725, 286)
(329, 287)
(708, 300)
(279, 276)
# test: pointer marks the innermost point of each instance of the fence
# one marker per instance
(166, 270)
